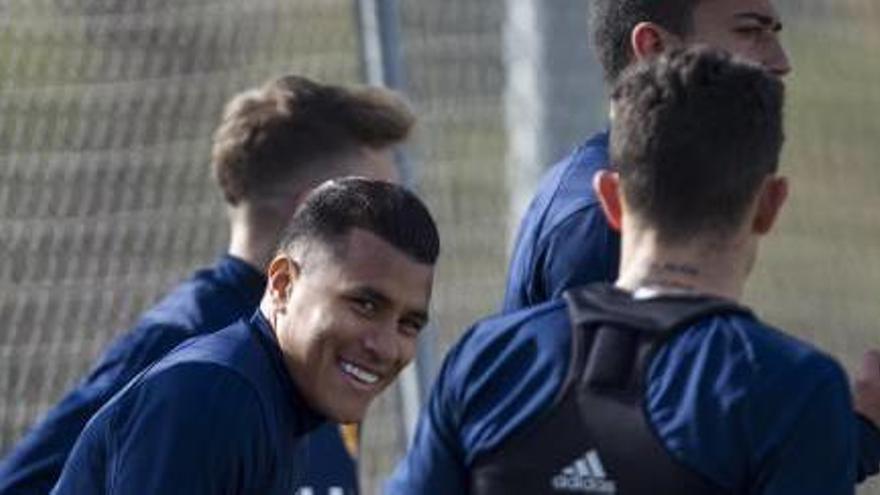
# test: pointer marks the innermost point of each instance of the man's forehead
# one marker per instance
(367, 254)
(379, 254)
(762, 10)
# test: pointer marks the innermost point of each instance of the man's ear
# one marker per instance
(648, 40)
(606, 184)
(283, 273)
(771, 197)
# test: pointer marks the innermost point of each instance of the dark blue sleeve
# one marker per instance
(812, 450)
(754, 411)
(502, 374)
(869, 448)
(35, 463)
(579, 250)
(190, 429)
(434, 462)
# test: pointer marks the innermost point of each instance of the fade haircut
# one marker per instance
(293, 128)
(389, 211)
(612, 23)
(694, 134)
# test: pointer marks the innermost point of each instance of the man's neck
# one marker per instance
(252, 239)
(251, 249)
(717, 268)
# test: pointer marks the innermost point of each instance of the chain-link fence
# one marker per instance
(106, 109)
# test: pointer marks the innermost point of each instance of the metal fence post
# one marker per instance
(554, 96)
(383, 64)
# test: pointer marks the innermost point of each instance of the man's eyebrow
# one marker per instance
(762, 19)
(421, 316)
(372, 293)
(381, 298)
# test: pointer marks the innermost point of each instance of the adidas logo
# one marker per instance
(584, 475)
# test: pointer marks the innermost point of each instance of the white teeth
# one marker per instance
(360, 373)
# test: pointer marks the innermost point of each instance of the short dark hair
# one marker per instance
(694, 134)
(292, 124)
(390, 211)
(612, 22)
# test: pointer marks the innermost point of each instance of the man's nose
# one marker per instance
(381, 343)
(777, 60)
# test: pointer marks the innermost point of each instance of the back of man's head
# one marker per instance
(694, 135)
(612, 23)
(389, 211)
(294, 130)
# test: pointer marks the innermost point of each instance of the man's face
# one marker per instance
(347, 323)
(748, 28)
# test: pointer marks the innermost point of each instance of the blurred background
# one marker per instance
(106, 198)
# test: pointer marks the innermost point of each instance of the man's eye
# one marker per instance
(365, 306)
(411, 328)
(752, 31)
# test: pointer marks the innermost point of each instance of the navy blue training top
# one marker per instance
(210, 300)
(220, 414)
(564, 240)
(746, 406)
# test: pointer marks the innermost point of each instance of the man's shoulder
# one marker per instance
(178, 316)
(187, 381)
(223, 369)
(185, 406)
(504, 371)
(759, 355)
(205, 297)
(533, 320)
(777, 351)
(233, 349)
(565, 193)
(203, 303)
(198, 382)
(211, 371)
(570, 180)
(563, 225)
(527, 343)
(729, 394)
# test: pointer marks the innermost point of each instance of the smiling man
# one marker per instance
(228, 413)
(274, 143)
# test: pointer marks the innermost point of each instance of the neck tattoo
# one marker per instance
(669, 268)
(668, 278)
